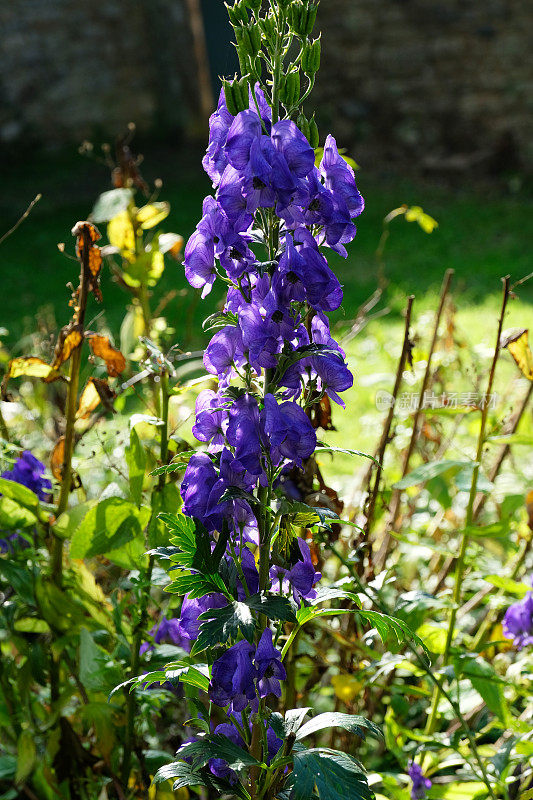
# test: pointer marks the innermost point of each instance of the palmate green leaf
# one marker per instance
(184, 775)
(217, 746)
(196, 675)
(273, 606)
(391, 627)
(223, 624)
(193, 541)
(334, 776)
(349, 722)
(196, 585)
(305, 516)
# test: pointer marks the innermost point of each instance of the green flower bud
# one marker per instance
(255, 39)
(310, 19)
(255, 5)
(314, 139)
(303, 124)
(236, 94)
(311, 57)
(291, 91)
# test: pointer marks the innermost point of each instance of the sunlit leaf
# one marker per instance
(110, 204)
(518, 345)
(68, 340)
(96, 391)
(102, 347)
(30, 367)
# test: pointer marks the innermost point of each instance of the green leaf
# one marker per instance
(334, 775)
(108, 527)
(136, 461)
(14, 516)
(508, 585)
(290, 724)
(179, 462)
(391, 627)
(111, 203)
(426, 472)
(217, 746)
(223, 624)
(18, 577)
(31, 625)
(197, 676)
(196, 585)
(95, 673)
(273, 606)
(349, 722)
(69, 520)
(23, 496)
(26, 756)
(326, 448)
(487, 683)
(164, 501)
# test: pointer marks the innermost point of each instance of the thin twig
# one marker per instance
(397, 495)
(385, 435)
(459, 571)
(23, 217)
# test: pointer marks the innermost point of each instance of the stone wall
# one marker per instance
(442, 84)
(73, 68)
(445, 84)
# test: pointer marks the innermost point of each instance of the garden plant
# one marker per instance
(215, 593)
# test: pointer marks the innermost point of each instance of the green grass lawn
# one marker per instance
(483, 234)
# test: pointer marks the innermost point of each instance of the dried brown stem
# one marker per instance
(397, 494)
(385, 435)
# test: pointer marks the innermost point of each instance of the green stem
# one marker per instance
(459, 570)
(131, 705)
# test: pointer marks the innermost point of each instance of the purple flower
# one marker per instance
(29, 471)
(189, 624)
(166, 630)
(215, 159)
(420, 783)
(340, 179)
(211, 419)
(218, 766)
(201, 490)
(233, 676)
(290, 432)
(299, 579)
(270, 670)
(223, 353)
(244, 433)
(518, 622)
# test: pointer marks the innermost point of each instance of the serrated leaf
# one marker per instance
(348, 722)
(388, 627)
(217, 746)
(273, 606)
(223, 624)
(334, 775)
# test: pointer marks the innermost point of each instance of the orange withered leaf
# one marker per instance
(96, 391)
(83, 231)
(518, 345)
(529, 508)
(102, 347)
(57, 458)
(70, 337)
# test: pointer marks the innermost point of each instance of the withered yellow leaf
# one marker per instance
(152, 214)
(68, 340)
(96, 391)
(102, 347)
(518, 345)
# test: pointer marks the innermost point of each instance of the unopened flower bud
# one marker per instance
(303, 125)
(314, 139)
(311, 57)
(290, 94)
(234, 92)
